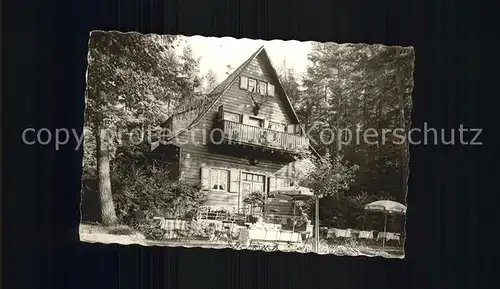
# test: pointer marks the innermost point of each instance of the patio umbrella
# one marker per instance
(293, 192)
(296, 193)
(388, 207)
(297, 169)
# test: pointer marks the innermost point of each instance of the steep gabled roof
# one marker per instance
(223, 86)
(219, 90)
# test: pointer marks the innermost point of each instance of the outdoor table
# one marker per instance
(218, 225)
(388, 236)
(234, 228)
(339, 233)
(289, 236)
(365, 235)
(265, 226)
(270, 235)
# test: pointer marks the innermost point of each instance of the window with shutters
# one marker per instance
(253, 121)
(276, 183)
(277, 126)
(262, 89)
(231, 116)
(252, 85)
(270, 89)
(282, 182)
(244, 82)
(219, 180)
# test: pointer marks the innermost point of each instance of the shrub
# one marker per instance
(143, 193)
(121, 230)
(254, 200)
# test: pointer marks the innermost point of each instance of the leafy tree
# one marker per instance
(254, 200)
(357, 87)
(133, 80)
(330, 180)
(290, 84)
(89, 162)
(357, 206)
(189, 80)
(332, 177)
(144, 190)
(211, 81)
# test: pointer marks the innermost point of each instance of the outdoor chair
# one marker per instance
(290, 240)
(389, 236)
(381, 235)
(232, 227)
(338, 233)
(268, 238)
(368, 235)
(354, 233)
(393, 237)
(331, 233)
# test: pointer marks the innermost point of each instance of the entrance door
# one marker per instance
(251, 183)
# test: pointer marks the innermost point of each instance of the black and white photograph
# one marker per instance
(246, 144)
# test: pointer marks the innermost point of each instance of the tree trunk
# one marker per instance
(108, 214)
(404, 146)
(337, 128)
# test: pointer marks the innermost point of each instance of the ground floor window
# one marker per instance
(253, 182)
(283, 182)
(219, 180)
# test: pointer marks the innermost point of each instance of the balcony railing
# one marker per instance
(234, 132)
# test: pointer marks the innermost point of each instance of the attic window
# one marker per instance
(270, 89)
(234, 117)
(277, 126)
(244, 82)
(262, 88)
(252, 85)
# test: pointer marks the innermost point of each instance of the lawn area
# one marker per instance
(123, 235)
(389, 252)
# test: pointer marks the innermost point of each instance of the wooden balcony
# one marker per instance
(243, 134)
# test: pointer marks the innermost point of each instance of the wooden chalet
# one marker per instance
(241, 141)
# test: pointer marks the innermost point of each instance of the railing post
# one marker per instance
(251, 134)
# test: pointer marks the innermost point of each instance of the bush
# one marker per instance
(143, 193)
(337, 247)
(121, 230)
(254, 200)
